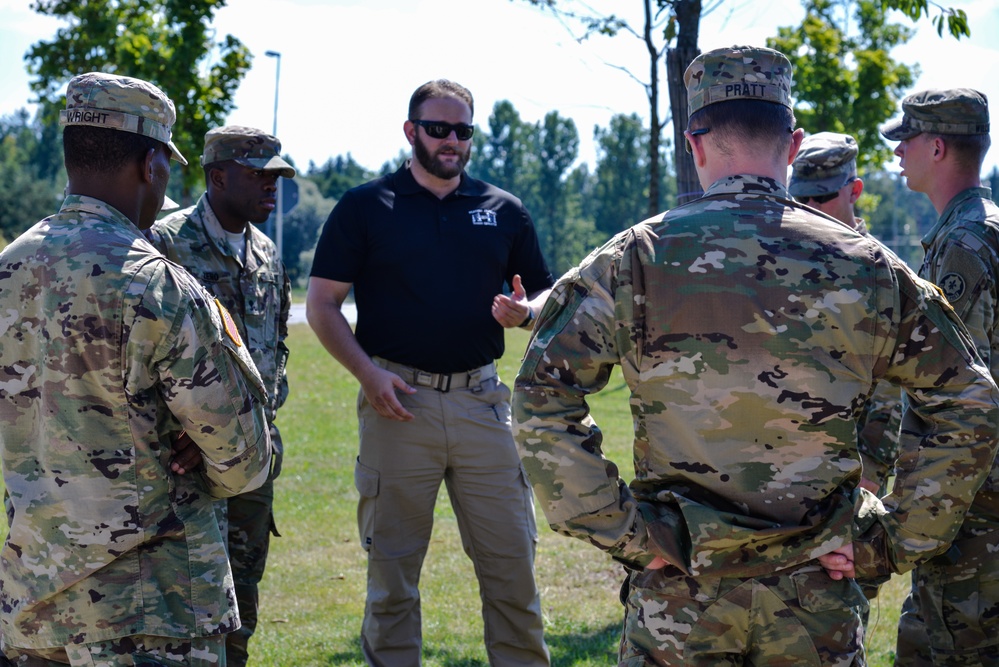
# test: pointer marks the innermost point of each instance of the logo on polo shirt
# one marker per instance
(481, 216)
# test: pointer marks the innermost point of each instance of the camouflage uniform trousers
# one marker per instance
(951, 617)
(250, 523)
(797, 616)
(130, 651)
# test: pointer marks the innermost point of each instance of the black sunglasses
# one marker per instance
(695, 133)
(438, 129)
(822, 199)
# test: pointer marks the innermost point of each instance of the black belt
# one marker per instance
(442, 382)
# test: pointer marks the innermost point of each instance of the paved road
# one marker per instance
(297, 315)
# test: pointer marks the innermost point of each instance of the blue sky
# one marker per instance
(349, 66)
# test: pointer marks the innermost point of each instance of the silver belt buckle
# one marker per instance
(443, 383)
(439, 381)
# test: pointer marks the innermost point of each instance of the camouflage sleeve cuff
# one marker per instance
(667, 533)
(875, 470)
(871, 557)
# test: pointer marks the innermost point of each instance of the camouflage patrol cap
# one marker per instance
(247, 146)
(121, 103)
(738, 73)
(954, 111)
(825, 162)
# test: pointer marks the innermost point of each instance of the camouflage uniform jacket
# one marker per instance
(108, 352)
(962, 257)
(878, 449)
(259, 292)
(750, 332)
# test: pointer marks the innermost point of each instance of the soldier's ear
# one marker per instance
(695, 147)
(146, 168)
(939, 149)
(217, 177)
(856, 190)
(797, 136)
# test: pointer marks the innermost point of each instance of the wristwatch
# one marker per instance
(528, 322)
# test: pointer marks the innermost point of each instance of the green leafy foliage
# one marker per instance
(338, 175)
(843, 82)
(31, 172)
(955, 20)
(622, 174)
(535, 162)
(663, 19)
(301, 227)
(678, 22)
(167, 42)
(896, 215)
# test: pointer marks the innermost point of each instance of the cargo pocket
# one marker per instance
(832, 619)
(817, 592)
(366, 483)
(965, 611)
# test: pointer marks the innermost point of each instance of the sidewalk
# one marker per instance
(297, 315)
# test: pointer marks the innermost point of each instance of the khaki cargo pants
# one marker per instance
(461, 437)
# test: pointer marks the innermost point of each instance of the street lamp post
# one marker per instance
(279, 232)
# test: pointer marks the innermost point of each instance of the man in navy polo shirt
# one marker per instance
(427, 251)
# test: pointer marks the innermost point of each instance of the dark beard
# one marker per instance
(435, 167)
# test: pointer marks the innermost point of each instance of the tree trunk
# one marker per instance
(655, 127)
(688, 15)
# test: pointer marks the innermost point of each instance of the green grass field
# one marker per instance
(312, 596)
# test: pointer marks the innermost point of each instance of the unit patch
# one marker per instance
(230, 325)
(953, 286)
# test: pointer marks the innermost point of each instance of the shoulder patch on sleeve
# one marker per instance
(953, 286)
(230, 325)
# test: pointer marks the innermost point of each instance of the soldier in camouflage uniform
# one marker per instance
(951, 616)
(824, 176)
(750, 332)
(239, 265)
(129, 404)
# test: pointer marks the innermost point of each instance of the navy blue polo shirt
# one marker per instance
(425, 270)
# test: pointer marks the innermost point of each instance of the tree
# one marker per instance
(532, 161)
(558, 230)
(955, 19)
(167, 42)
(896, 215)
(663, 21)
(621, 188)
(338, 175)
(835, 74)
(503, 155)
(302, 226)
(31, 171)
(580, 234)
(680, 20)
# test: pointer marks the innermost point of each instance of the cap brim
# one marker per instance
(168, 205)
(269, 164)
(898, 130)
(175, 154)
(800, 187)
